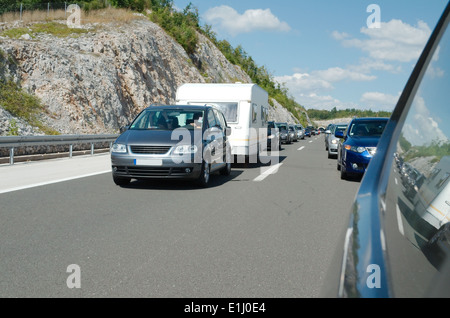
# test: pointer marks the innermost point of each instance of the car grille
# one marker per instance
(371, 150)
(150, 150)
(152, 171)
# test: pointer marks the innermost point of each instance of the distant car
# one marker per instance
(331, 141)
(293, 132)
(312, 130)
(301, 132)
(273, 136)
(392, 246)
(307, 132)
(284, 133)
(358, 144)
(173, 142)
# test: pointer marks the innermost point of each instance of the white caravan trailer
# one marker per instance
(245, 106)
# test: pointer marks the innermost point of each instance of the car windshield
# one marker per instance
(340, 128)
(367, 128)
(282, 126)
(168, 119)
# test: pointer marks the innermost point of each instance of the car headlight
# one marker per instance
(119, 148)
(185, 149)
(271, 136)
(355, 149)
(334, 141)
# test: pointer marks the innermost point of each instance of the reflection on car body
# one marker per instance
(398, 246)
(175, 142)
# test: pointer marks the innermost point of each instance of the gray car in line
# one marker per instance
(173, 142)
(331, 141)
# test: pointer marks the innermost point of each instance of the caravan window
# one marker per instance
(255, 113)
(229, 109)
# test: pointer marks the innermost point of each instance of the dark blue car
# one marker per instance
(358, 144)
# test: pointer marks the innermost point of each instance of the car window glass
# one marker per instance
(220, 119)
(211, 119)
(418, 193)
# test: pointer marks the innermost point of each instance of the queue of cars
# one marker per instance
(396, 242)
(354, 144)
(183, 142)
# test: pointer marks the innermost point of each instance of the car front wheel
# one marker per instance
(204, 177)
(121, 181)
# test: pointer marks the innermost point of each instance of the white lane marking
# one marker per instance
(301, 148)
(52, 181)
(399, 220)
(266, 173)
(310, 141)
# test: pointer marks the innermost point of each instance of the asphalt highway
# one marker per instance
(256, 233)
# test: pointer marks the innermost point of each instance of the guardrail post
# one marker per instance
(92, 148)
(70, 150)
(11, 155)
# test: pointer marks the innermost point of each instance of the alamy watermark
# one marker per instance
(374, 279)
(74, 19)
(374, 20)
(74, 279)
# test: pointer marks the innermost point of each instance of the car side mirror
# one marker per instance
(328, 132)
(228, 131)
(339, 134)
(124, 128)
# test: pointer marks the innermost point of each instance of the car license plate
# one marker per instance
(147, 162)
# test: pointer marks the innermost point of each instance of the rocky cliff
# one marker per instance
(97, 81)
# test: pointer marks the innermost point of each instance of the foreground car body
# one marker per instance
(358, 144)
(398, 246)
(172, 142)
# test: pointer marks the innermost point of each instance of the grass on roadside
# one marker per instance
(23, 105)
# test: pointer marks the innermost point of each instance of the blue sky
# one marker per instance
(323, 50)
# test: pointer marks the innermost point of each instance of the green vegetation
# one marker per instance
(436, 149)
(23, 105)
(13, 129)
(345, 113)
(54, 28)
(182, 26)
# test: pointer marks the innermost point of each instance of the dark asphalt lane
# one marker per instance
(238, 238)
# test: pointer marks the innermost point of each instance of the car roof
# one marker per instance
(371, 119)
(179, 107)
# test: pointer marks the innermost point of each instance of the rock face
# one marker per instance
(98, 81)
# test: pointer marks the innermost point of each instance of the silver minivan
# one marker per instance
(173, 142)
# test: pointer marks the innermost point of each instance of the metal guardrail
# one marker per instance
(12, 142)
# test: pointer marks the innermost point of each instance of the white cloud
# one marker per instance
(228, 19)
(393, 41)
(309, 89)
(420, 127)
(337, 74)
(379, 101)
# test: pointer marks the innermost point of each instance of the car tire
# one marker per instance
(226, 171)
(338, 164)
(121, 181)
(205, 175)
(343, 173)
